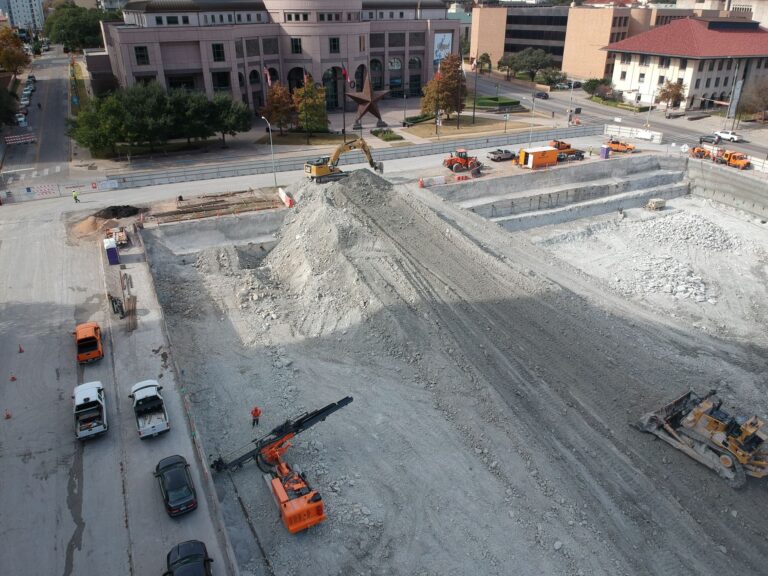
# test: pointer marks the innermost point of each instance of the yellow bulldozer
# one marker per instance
(325, 168)
(733, 446)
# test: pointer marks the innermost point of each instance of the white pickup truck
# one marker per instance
(90, 410)
(148, 405)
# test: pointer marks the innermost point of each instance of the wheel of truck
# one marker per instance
(458, 167)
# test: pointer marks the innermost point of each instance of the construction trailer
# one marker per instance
(539, 157)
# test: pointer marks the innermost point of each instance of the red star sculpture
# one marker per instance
(366, 100)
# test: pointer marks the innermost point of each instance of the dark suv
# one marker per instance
(709, 139)
(189, 558)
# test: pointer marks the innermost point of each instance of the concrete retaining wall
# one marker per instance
(560, 176)
(192, 236)
(573, 194)
(591, 208)
(744, 190)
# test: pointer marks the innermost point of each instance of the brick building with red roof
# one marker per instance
(716, 60)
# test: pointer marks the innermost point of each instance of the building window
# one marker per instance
(362, 43)
(334, 46)
(391, 15)
(221, 18)
(626, 58)
(218, 52)
(683, 63)
(295, 45)
(730, 63)
(642, 78)
(220, 81)
(142, 55)
(185, 19)
(698, 83)
(717, 82)
(205, 18)
(251, 47)
(159, 20)
(708, 82)
(172, 20)
(711, 65)
(305, 16)
(416, 38)
(239, 17)
(414, 63)
(238, 49)
(402, 14)
(253, 77)
(725, 81)
(663, 62)
(248, 17)
(395, 64)
(720, 65)
(229, 18)
(701, 66)
(396, 39)
(289, 17)
(377, 40)
(643, 60)
(381, 15)
(258, 17)
(661, 80)
(321, 17)
(623, 75)
(270, 46)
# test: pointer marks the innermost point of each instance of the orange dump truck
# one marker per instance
(89, 345)
(734, 159)
(539, 157)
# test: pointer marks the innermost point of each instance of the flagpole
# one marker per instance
(344, 105)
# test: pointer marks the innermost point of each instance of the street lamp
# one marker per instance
(405, 109)
(272, 149)
(533, 111)
(650, 106)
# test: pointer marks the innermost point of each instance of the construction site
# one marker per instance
(508, 344)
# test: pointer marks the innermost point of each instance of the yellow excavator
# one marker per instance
(325, 168)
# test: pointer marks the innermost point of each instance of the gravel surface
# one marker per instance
(495, 382)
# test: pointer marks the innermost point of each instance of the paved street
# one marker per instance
(70, 508)
(46, 161)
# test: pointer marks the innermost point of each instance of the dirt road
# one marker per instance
(494, 390)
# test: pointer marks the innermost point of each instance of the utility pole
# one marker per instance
(474, 100)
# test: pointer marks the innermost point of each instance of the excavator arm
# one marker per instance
(357, 144)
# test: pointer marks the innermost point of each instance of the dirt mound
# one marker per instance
(91, 225)
(117, 212)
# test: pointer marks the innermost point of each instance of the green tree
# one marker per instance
(77, 27)
(591, 85)
(229, 116)
(279, 109)
(147, 117)
(464, 45)
(508, 64)
(754, 100)
(672, 93)
(98, 125)
(309, 102)
(8, 107)
(550, 76)
(190, 115)
(484, 62)
(533, 60)
(12, 55)
(447, 90)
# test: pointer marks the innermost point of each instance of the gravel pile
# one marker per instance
(679, 230)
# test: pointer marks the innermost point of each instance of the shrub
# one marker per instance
(386, 134)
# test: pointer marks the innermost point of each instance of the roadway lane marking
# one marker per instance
(57, 169)
(45, 172)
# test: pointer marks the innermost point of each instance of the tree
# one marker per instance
(8, 107)
(754, 100)
(279, 109)
(190, 115)
(229, 116)
(484, 61)
(672, 92)
(532, 60)
(77, 27)
(309, 102)
(591, 85)
(464, 45)
(147, 117)
(508, 64)
(12, 55)
(604, 91)
(447, 90)
(551, 76)
(98, 125)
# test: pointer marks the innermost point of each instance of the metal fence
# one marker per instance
(139, 179)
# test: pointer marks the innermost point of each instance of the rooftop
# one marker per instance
(699, 38)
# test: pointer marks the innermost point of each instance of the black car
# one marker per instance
(189, 558)
(542, 95)
(574, 155)
(176, 485)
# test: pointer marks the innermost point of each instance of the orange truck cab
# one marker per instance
(89, 345)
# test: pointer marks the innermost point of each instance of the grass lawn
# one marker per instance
(493, 102)
(448, 129)
(297, 139)
(80, 91)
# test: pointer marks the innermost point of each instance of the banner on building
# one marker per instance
(443, 46)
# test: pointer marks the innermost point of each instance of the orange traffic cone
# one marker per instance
(13, 378)
(421, 183)
(8, 415)
(21, 350)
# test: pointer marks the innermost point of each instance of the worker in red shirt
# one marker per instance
(255, 414)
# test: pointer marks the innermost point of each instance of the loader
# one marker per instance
(733, 446)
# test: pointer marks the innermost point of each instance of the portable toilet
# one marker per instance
(605, 152)
(110, 247)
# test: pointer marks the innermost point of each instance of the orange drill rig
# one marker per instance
(301, 506)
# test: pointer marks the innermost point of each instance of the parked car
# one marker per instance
(572, 155)
(23, 110)
(24, 101)
(576, 84)
(709, 139)
(728, 135)
(21, 120)
(176, 485)
(562, 86)
(189, 558)
(30, 85)
(498, 155)
(542, 95)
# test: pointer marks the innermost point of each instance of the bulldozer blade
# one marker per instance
(652, 421)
